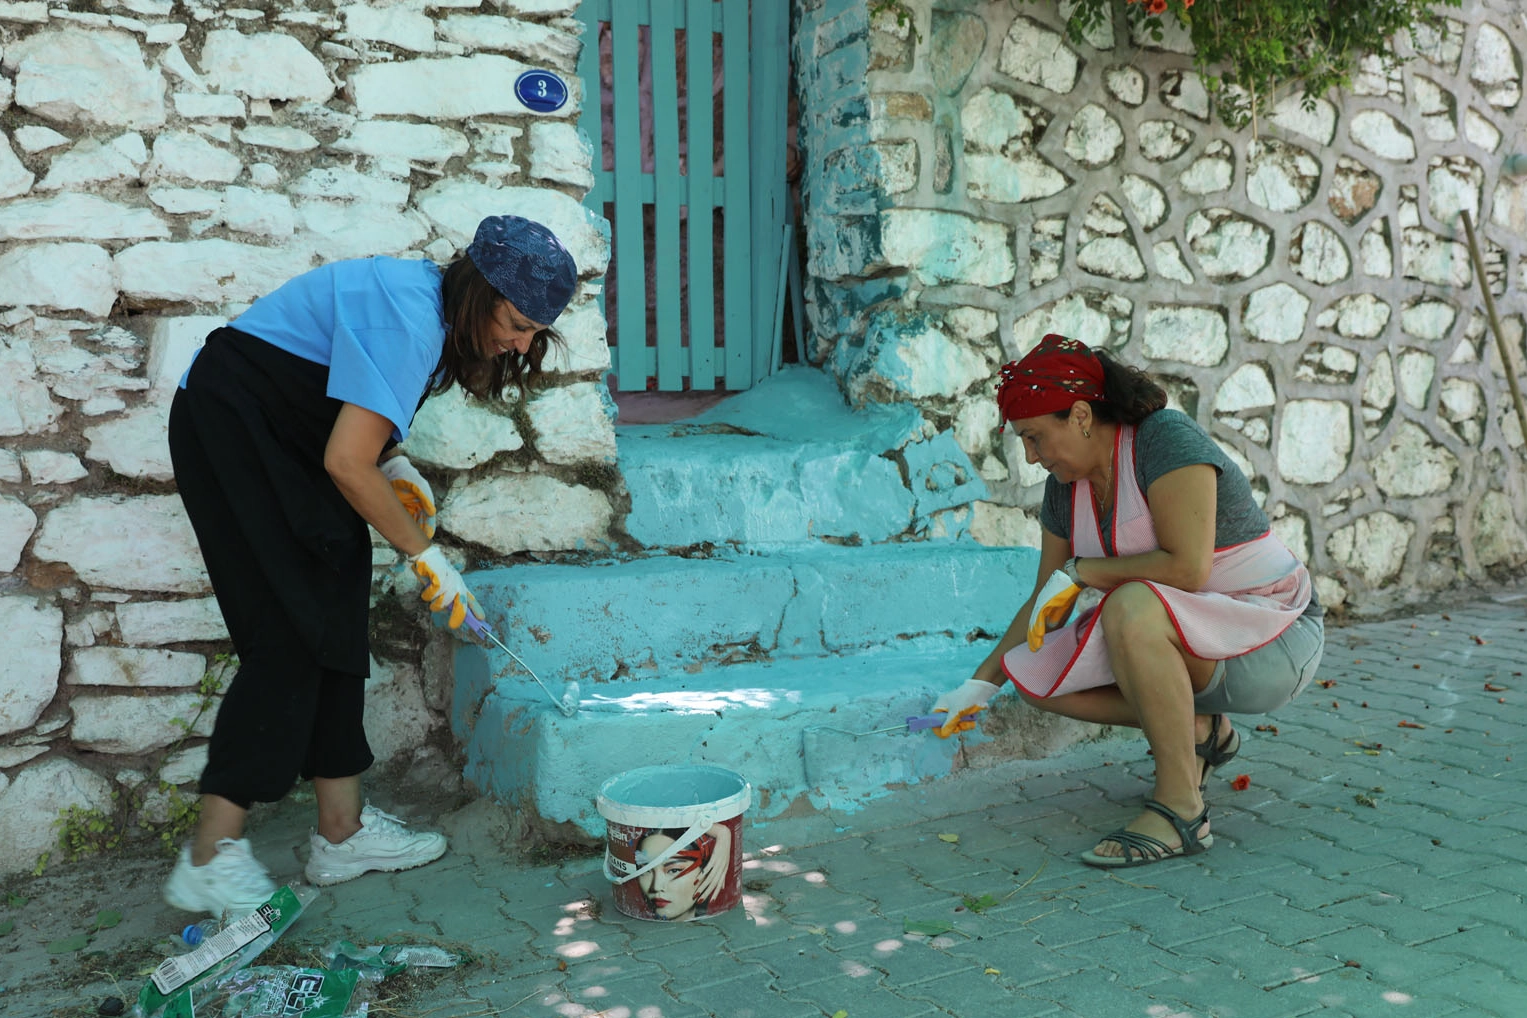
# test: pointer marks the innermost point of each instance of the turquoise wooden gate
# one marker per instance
(706, 312)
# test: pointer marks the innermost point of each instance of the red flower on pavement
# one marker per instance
(1241, 782)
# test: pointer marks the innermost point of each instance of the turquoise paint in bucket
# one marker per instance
(673, 847)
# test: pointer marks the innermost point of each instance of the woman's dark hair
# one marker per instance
(1130, 395)
(469, 304)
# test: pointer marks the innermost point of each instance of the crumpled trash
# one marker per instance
(377, 962)
(262, 990)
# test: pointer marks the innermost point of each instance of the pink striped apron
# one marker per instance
(1254, 592)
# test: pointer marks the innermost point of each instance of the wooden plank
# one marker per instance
(738, 246)
(768, 97)
(630, 260)
(701, 196)
(665, 152)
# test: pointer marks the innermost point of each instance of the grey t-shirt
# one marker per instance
(1165, 441)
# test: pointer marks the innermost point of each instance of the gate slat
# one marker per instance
(738, 232)
(665, 151)
(770, 68)
(701, 71)
(631, 309)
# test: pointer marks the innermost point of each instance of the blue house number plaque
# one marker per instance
(541, 91)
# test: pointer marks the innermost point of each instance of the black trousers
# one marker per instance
(295, 707)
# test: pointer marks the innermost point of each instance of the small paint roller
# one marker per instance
(568, 705)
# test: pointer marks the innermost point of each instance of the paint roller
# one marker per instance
(568, 705)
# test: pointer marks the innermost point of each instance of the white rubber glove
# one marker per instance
(412, 490)
(444, 589)
(962, 704)
(1052, 606)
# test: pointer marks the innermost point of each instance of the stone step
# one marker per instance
(760, 662)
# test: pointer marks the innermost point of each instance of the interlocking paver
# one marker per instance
(1422, 893)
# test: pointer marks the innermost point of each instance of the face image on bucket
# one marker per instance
(673, 845)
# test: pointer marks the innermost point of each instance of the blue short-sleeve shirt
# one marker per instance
(377, 323)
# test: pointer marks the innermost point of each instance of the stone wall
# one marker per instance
(161, 165)
(975, 180)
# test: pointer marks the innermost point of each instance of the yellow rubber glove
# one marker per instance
(962, 704)
(964, 721)
(1052, 606)
(444, 589)
(412, 490)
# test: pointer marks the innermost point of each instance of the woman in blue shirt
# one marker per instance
(283, 437)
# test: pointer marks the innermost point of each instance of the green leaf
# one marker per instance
(981, 904)
(927, 927)
(840, 1014)
(106, 918)
(16, 900)
(78, 942)
(7, 926)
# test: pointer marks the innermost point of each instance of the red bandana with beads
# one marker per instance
(1050, 377)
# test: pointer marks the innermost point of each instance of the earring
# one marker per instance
(1086, 433)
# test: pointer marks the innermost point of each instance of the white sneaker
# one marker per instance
(382, 843)
(230, 886)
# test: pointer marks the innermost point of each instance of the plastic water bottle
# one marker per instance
(200, 931)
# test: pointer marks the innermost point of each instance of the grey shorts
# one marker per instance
(1270, 676)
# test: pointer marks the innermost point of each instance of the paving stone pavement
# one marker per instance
(1374, 866)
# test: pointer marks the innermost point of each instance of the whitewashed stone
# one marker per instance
(414, 143)
(398, 718)
(1034, 54)
(898, 164)
(1437, 107)
(1125, 83)
(1454, 185)
(152, 623)
(93, 77)
(997, 121)
(1428, 319)
(1318, 254)
(458, 431)
(205, 270)
(919, 361)
(15, 179)
(1113, 257)
(1441, 45)
(1373, 547)
(31, 802)
(260, 213)
(204, 106)
(1317, 123)
(396, 26)
(29, 668)
(526, 512)
(49, 466)
(1499, 539)
(1314, 440)
(10, 465)
(1146, 199)
(1480, 130)
(975, 425)
(17, 522)
(1027, 176)
(1163, 140)
(78, 217)
(26, 405)
(184, 766)
(1211, 172)
(452, 88)
(1434, 259)
(546, 45)
(1184, 91)
(264, 175)
(184, 155)
(1228, 246)
(336, 230)
(1169, 263)
(1327, 364)
(1509, 207)
(1280, 177)
(1094, 318)
(76, 373)
(584, 334)
(946, 247)
(172, 343)
(34, 138)
(1094, 138)
(970, 324)
(15, 756)
(1047, 246)
(1413, 465)
(1249, 387)
(457, 206)
(1375, 255)
(1378, 393)
(1374, 76)
(134, 444)
(1496, 68)
(1354, 190)
(66, 276)
(127, 724)
(25, 11)
(1186, 334)
(571, 425)
(183, 201)
(174, 61)
(90, 162)
(501, 139)
(265, 65)
(280, 137)
(1293, 529)
(135, 668)
(1358, 316)
(1003, 526)
(1383, 135)
(124, 543)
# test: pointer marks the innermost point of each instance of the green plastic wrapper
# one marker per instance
(268, 991)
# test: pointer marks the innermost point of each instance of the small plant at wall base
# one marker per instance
(83, 831)
(1251, 52)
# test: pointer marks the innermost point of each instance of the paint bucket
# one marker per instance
(673, 847)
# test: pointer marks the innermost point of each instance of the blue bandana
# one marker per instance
(526, 264)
